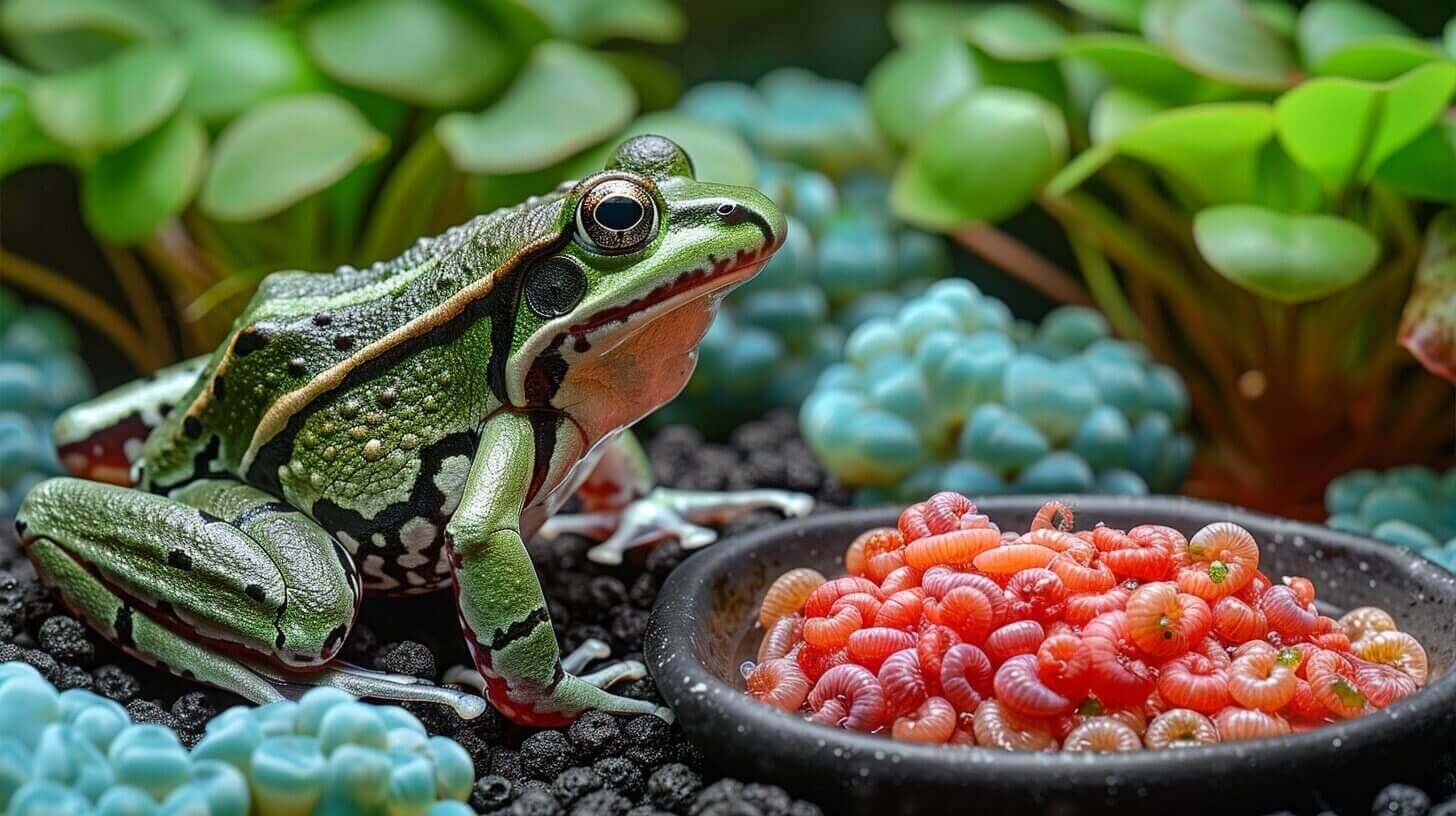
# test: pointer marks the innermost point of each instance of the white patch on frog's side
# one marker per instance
(131, 448)
(374, 571)
(379, 540)
(414, 578)
(450, 479)
(416, 535)
(382, 490)
(348, 541)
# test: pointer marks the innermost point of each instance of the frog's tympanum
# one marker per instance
(406, 428)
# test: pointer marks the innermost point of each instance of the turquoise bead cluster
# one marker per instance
(75, 753)
(846, 258)
(952, 393)
(40, 376)
(1412, 507)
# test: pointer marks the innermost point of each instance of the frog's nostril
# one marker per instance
(726, 210)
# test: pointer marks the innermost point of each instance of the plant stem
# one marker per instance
(1102, 281)
(145, 308)
(86, 306)
(1021, 261)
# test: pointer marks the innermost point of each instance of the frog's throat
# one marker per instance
(608, 328)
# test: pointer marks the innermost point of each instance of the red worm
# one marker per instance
(965, 610)
(1019, 687)
(934, 722)
(1062, 664)
(780, 683)
(1195, 682)
(950, 548)
(1038, 594)
(1053, 515)
(902, 609)
(781, 638)
(1286, 615)
(829, 633)
(966, 676)
(903, 683)
(869, 647)
(820, 600)
(1237, 622)
(1016, 638)
(857, 691)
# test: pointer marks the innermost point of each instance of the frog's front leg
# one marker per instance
(622, 508)
(502, 608)
(221, 583)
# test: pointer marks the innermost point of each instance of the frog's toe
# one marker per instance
(615, 673)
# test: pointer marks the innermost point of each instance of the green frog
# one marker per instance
(405, 428)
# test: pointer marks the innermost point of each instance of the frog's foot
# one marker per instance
(590, 651)
(362, 682)
(665, 514)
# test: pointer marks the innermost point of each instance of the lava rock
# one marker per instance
(535, 802)
(411, 658)
(491, 793)
(672, 786)
(620, 774)
(193, 710)
(67, 639)
(545, 754)
(116, 683)
(574, 783)
(602, 803)
(595, 734)
(649, 740)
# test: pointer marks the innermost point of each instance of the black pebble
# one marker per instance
(1401, 800)
(74, 677)
(672, 786)
(116, 683)
(602, 803)
(647, 810)
(508, 764)
(595, 734)
(491, 793)
(1447, 808)
(147, 711)
(193, 710)
(649, 740)
(67, 639)
(574, 783)
(545, 754)
(607, 591)
(621, 775)
(42, 662)
(535, 803)
(411, 658)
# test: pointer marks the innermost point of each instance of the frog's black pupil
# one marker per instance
(619, 212)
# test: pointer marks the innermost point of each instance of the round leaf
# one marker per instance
(57, 36)
(718, 154)
(1124, 14)
(1136, 64)
(1187, 142)
(915, 21)
(22, 142)
(1119, 110)
(1343, 129)
(1226, 40)
(112, 102)
(566, 100)
(1326, 26)
(1287, 258)
(1425, 168)
(1428, 327)
(982, 160)
(238, 62)
(430, 52)
(592, 21)
(901, 98)
(129, 193)
(1016, 33)
(283, 151)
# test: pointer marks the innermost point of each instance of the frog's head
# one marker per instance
(616, 314)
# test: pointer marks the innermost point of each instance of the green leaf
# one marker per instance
(565, 100)
(1284, 185)
(1286, 258)
(1189, 142)
(1379, 58)
(1125, 14)
(1118, 110)
(1015, 33)
(592, 21)
(657, 82)
(981, 161)
(1343, 129)
(1425, 168)
(428, 52)
(1326, 26)
(1136, 64)
(127, 194)
(239, 62)
(719, 155)
(56, 35)
(22, 142)
(914, 21)
(112, 102)
(902, 99)
(1428, 327)
(284, 151)
(1226, 40)
(1279, 16)
(1450, 38)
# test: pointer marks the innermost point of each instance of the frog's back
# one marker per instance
(308, 341)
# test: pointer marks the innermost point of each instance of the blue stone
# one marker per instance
(1104, 439)
(1120, 482)
(1057, 472)
(1404, 534)
(1069, 329)
(1055, 398)
(1001, 440)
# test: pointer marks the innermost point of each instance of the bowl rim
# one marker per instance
(677, 622)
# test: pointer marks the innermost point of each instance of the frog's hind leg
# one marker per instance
(100, 438)
(221, 583)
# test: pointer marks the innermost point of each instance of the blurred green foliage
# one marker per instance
(1244, 184)
(217, 145)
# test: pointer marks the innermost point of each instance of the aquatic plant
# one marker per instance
(1412, 507)
(74, 752)
(952, 394)
(1242, 186)
(215, 145)
(40, 376)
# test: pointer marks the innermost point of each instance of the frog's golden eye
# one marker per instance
(616, 216)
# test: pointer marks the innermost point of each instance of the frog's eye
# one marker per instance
(616, 216)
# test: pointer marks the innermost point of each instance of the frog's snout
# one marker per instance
(756, 209)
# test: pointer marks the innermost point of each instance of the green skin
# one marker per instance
(406, 428)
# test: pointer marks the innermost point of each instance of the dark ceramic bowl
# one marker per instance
(705, 625)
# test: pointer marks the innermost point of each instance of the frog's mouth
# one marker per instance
(715, 278)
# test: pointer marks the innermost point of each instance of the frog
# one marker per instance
(408, 427)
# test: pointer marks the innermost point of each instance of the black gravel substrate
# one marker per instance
(602, 765)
